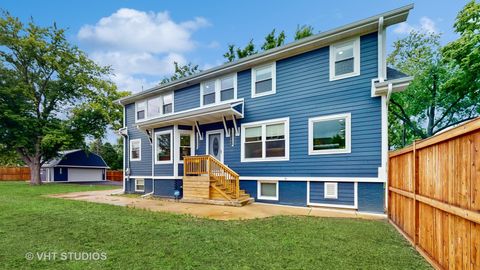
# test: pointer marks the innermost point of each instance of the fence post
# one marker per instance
(415, 190)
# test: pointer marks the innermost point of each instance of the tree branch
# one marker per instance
(406, 119)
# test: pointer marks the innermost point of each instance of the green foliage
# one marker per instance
(112, 154)
(238, 53)
(181, 72)
(138, 239)
(303, 31)
(8, 157)
(432, 102)
(52, 95)
(272, 41)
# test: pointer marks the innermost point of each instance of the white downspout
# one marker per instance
(385, 141)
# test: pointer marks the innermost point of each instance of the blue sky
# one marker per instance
(141, 39)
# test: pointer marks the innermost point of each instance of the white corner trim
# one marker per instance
(267, 198)
(139, 152)
(273, 66)
(348, 134)
(356, 59)
(171, 147)
(263, 124)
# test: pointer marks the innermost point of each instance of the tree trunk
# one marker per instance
(35, 167)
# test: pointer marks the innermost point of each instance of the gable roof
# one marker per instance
(364, 26)
(77, 158)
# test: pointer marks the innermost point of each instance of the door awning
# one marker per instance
(203, 115)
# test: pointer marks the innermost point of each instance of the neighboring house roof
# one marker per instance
(397, 79)
(322, 39)
(393, 74)
(77, 158)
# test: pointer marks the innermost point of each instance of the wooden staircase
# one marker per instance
(208, 180)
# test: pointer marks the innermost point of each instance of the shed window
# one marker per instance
(163, 150)
(330, 134)
(263, 80)
(345, 59)
(135, 149)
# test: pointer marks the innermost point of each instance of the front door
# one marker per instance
(215, 144)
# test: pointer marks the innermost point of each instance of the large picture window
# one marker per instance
(136, 150)
(265, 141)
(345, 59)
(163, 147)
(264, 80)
(329, 134)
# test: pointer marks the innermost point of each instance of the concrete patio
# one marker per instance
(217, 212)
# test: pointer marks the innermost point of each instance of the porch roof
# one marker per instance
(202, 115)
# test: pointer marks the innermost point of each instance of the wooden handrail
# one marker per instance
(215, 169)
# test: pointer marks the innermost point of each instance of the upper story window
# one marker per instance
(264, 80)
(345, 59)
(219, 90)
(329, 134)
(265, 141)
(136, 150)
(154, 107)
(163, 147)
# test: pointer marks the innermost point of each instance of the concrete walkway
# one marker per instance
(218, 212)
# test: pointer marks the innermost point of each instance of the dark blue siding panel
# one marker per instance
(148, 185)
(187, 98)
(292, 193)
(166, 187)
(82, 158)
(57, 176)
(346, 193)
(143, 167)
(371, 197)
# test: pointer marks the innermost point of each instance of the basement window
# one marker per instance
(140, 185)
(267, 190)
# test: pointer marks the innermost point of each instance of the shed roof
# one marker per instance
(77, 158)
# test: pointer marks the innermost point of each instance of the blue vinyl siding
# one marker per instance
(143, 167)
(187, 98)
(371, 197)
(290, 192)
(346, 193)
(167, 187)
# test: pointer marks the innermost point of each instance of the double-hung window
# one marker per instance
(186, 144)
(140, 185)
(167, 103)
(264, 80)
(345, 59)
(219, 90)
(265, 141)
(136, 150)
(329, 134)
(163, 147)
(141, 110)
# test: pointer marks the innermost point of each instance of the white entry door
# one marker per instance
(215, 144)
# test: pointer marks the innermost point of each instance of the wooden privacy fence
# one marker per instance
(14, 173)
(115, 175)
(23, 173)
(434, 196)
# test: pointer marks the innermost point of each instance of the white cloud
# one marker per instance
(426, 25)
(140, 44)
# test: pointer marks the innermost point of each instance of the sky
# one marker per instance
(141, 39)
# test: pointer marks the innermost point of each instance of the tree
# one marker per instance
(431, 103)
(112, 154)
(52, 95)
(272, 41)
(303, 31)
(238, 53)
(181, 72)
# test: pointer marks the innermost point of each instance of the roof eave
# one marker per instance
(398, 85)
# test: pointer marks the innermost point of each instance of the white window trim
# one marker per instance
(263, 124)
(259, 188)
(140, 190)
(348, 134)
(274, 80)
(207, 146)
(327, 196)
(161, 107)
(192, 143)
(218, 90)
(139, 152)
(356, 59)
(171, 147)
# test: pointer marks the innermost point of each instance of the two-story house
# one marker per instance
(304, 124)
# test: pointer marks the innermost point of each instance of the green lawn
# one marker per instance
(139, 239)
